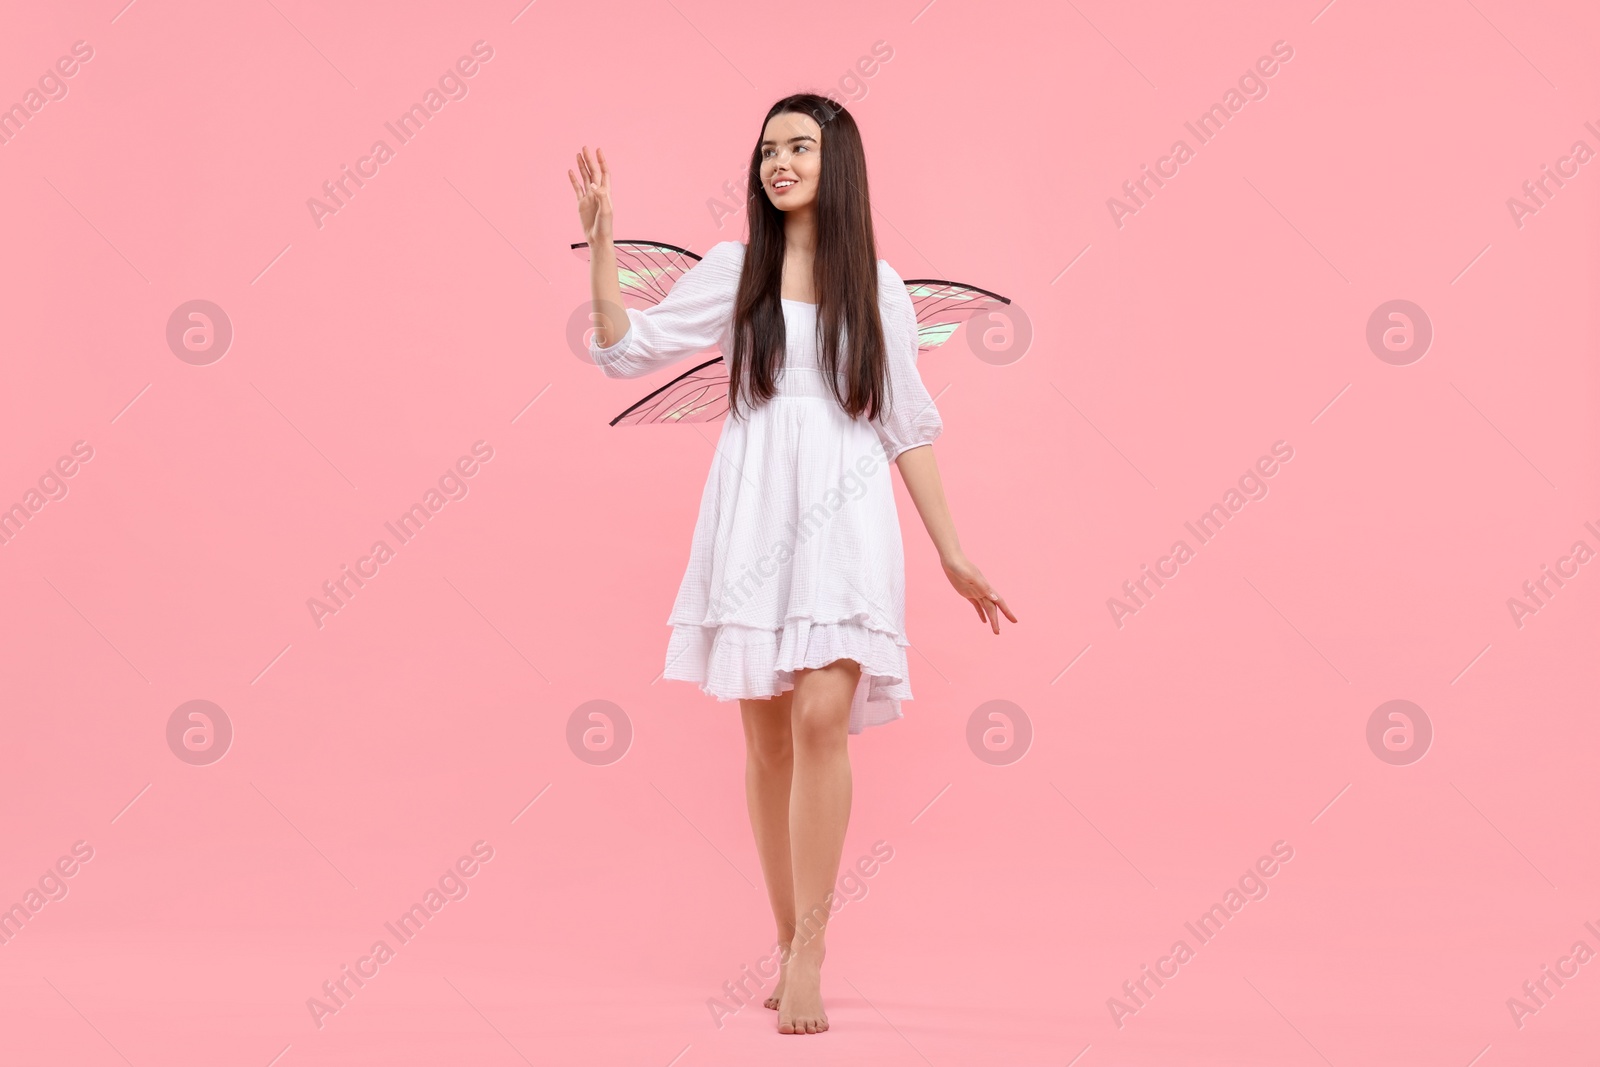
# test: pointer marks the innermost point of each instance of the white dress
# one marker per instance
(797, 559)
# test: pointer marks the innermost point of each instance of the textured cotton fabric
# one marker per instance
(797, 559)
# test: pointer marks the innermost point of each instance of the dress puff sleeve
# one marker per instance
(911, 418)
(691, 318)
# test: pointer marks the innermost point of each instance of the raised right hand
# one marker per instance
(592, 184)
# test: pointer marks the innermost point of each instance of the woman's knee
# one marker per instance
(818, 727)
(822, 699)
(767, 734)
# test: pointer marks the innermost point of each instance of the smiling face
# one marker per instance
(791, 160)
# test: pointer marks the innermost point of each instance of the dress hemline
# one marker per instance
(732, 661)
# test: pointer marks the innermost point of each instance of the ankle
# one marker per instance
(807, 952)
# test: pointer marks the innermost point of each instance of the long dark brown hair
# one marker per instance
(844, 273)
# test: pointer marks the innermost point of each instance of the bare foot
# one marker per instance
(776, 999)
(778, 994)
(800, 1011)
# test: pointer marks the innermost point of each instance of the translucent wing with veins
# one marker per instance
(647, 270)
(697, 395)
(943, 306)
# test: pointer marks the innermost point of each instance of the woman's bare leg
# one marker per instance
(768, 773)
(819, 812)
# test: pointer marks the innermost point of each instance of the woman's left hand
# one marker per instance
(970, 583)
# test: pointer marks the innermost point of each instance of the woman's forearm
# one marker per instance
(921, 475)
(609, 318)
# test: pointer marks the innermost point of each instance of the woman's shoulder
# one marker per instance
(723, 263)
(888, 278)
(892, 288)
(726, 252)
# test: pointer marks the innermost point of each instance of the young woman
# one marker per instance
(794, 599)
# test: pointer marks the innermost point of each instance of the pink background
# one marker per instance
(432, 310)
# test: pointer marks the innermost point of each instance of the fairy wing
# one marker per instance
(697, 395)
(943, 306)
(647, 271)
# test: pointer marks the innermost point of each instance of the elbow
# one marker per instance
(618, 367)
(617, 360)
